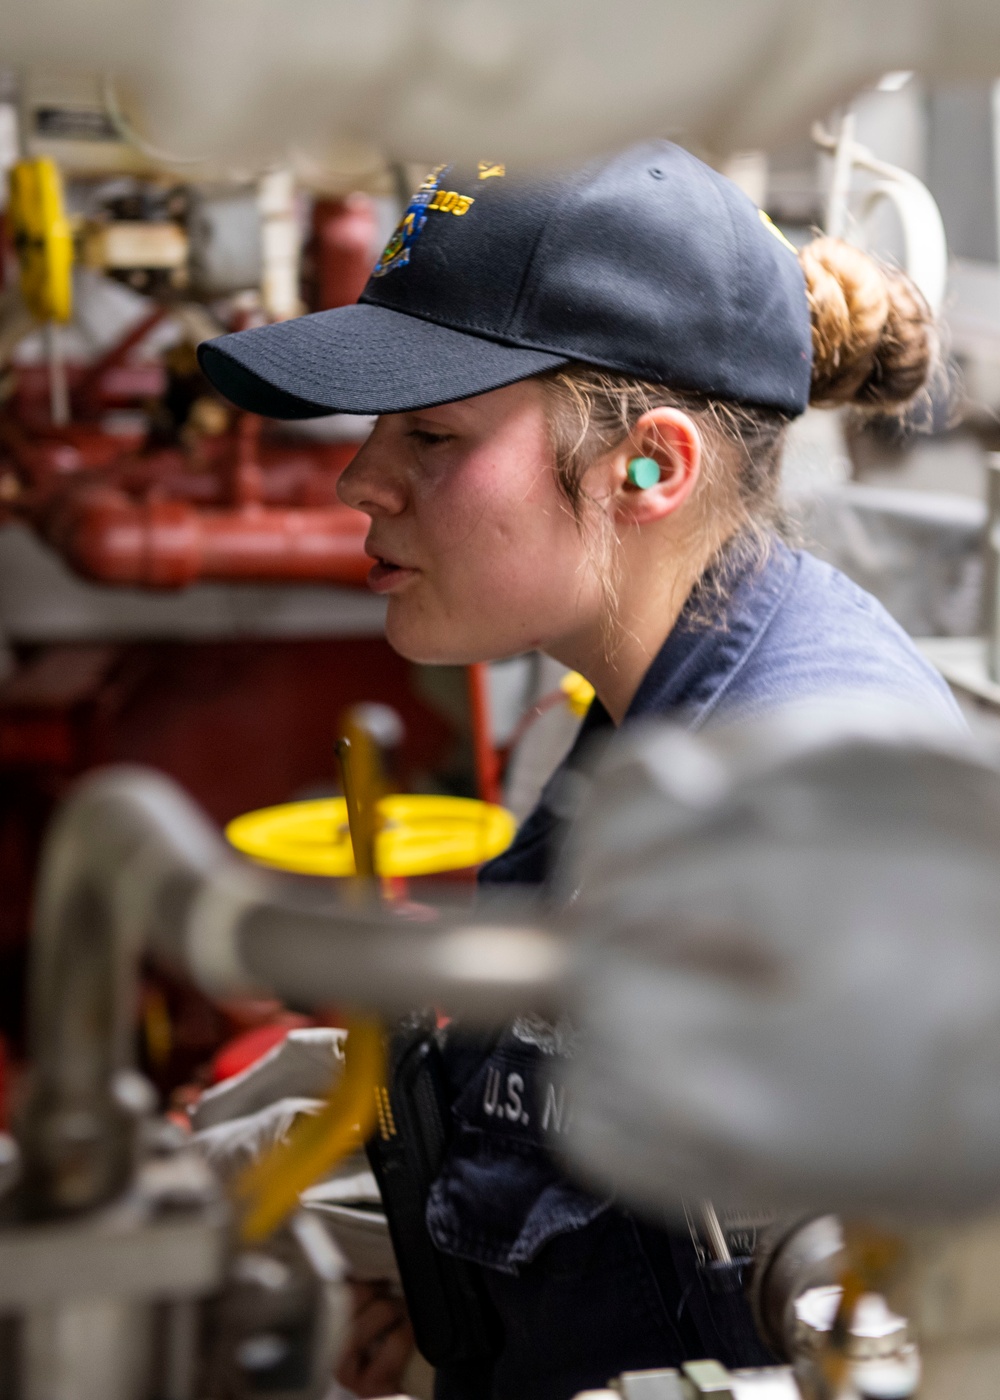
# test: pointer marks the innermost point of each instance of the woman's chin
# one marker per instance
(418, 644)
(427, 646)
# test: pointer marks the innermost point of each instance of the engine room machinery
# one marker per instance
(183, 490)
(766, 867)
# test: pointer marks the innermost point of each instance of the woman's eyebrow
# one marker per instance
(440, 416)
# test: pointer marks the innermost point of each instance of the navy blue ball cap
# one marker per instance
(359, 359)
(648, 263)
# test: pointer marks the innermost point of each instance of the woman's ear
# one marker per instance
(670, 438)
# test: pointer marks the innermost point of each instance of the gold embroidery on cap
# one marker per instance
(489, 171)
(451, 202)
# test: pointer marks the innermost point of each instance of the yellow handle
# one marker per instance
(43, 238)
(269, 1188)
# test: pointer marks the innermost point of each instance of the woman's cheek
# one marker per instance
(500, 584)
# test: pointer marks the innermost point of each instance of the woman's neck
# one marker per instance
(616, 653)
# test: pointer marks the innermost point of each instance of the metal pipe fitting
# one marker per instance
(91, 916)
(788, 1261)
(131, 863)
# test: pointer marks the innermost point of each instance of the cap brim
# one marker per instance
(360, 359)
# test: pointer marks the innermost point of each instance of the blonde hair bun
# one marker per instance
(873, 334)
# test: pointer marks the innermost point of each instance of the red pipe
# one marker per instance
(343, 248)
(87, 391)
(168, 544)
(485, 755)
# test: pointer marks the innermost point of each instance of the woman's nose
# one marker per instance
(370, 484)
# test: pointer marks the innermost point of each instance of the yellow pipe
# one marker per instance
(357, 765)
(269, 1188)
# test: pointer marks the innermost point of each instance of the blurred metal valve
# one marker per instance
(796, 1296)
(278, 1326)
(792, 1261)
(777, 949)
(786, 985)
(96, 1304)
(796, 916)
(119, 1274)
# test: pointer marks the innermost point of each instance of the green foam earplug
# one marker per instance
(643, 472)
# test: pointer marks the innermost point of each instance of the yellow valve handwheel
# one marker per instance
(43, 238)
(419, 835)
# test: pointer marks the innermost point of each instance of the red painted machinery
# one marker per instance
(232, 508)
(226, 501)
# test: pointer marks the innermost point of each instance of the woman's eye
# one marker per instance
(427, 439)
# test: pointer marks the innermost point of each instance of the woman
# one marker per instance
(583, 386)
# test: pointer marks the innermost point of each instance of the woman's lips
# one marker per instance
(384, 577)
